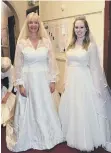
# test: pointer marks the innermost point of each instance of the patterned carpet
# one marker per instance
(61, 148)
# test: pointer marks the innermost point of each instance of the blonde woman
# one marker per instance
(85, 106)
(36, 123)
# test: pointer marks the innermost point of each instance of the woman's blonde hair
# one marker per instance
(86, 40)
(35, 17)
(24, 34)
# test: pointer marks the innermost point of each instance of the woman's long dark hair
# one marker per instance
(86, 40)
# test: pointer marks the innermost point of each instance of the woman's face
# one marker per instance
(80, 29)
(33, 26)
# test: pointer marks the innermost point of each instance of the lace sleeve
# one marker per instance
(18, 65)
(52, 64)
(11, 78)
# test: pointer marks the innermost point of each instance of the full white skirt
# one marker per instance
(36, 123)
(81, 113)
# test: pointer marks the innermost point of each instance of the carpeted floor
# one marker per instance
(61, 148)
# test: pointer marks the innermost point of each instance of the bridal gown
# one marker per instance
(82, 110)
(36, 123)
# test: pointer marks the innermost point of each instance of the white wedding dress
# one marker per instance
(82, 108)
(36, 123)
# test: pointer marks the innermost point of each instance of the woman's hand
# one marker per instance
(4, 100)
(22, 90)
(52, 87)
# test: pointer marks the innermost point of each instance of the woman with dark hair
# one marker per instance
(85, 106)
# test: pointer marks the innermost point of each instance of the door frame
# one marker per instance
(107, 40)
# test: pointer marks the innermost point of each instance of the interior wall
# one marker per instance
(56, 11)
(5, 13)
(20, 7)
(94, 11)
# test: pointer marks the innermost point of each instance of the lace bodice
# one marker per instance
(78, 57)
(32, 56)
(27, 55)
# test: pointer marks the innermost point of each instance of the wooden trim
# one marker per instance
(106, 33)
(72, 16)
(107, 41)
